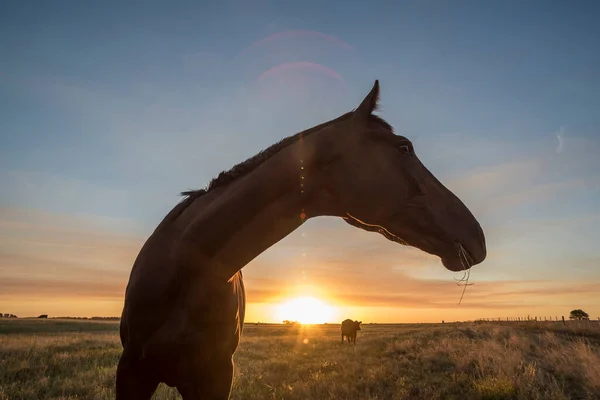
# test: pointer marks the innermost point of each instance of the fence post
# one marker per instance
(563, 320)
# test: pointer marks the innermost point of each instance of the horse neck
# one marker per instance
(227, 229)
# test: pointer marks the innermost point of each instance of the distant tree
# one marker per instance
(43, 316)
(579, 314)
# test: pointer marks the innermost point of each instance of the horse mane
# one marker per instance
(245, 167)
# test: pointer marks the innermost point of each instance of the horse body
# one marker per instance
(182, 329)
(185, 302)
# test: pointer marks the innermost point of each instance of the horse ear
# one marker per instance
(370, 103)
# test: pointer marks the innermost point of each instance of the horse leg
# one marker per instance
(132, 383)
(214, 384)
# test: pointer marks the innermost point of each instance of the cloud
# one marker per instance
(537, 177)
(385, 288)
(499, 176)
(559, 137)
(110, 204)
(62, 251)
(519, 228)
(39, 220)
(44, 289)
(539, 193)
(70, 264)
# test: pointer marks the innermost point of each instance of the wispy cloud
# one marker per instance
(57, 259)
(539, 193)
(561, 141)
(538, 177)
(382, 287)
(44, 256)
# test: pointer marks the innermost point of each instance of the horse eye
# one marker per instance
(405, 149)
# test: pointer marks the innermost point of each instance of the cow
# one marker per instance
(349, 329)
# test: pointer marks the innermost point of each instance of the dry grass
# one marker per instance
(77, 360)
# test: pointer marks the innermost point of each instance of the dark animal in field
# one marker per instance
(185, 302)
(349, 329)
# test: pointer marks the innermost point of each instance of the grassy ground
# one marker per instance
(52, 359)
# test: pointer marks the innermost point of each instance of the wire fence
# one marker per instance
(580, 323)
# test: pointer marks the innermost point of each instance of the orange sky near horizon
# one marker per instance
(77, 266)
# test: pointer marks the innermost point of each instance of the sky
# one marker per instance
(108, 110)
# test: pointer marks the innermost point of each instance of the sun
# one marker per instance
(306, 310)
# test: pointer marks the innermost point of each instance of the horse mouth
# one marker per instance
(459, 260)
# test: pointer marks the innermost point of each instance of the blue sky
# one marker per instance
(108, 111)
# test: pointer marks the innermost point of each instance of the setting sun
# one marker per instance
(306, 310)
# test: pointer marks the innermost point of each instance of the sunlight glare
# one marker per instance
(306, 310)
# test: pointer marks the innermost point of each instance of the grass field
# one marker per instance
(64, 359)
